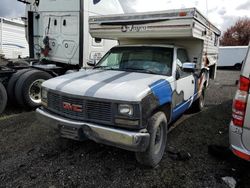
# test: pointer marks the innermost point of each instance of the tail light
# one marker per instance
(240, 102)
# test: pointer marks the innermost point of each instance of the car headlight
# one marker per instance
(125, 109)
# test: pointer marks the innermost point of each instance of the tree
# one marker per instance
(238, 34)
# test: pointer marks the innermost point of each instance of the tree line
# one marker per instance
(238, 34)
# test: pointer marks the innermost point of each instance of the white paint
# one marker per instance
(232, 55)
(130, 87)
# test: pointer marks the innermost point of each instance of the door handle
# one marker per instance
(192, 81)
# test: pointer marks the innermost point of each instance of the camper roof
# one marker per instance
(145, 17)
(146, 45)
(181, 23)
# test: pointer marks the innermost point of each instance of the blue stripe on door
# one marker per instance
(180, 109)
(162, 91)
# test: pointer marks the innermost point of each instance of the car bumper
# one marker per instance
(78, 130)
(236, 145)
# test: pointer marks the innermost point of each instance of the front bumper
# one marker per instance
(77, 130)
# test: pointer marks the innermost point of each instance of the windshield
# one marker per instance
(152, 60)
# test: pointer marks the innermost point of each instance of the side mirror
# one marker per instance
(91, 63)
(188, 67)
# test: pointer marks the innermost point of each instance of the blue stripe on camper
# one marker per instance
(11, 44)
(180, 109)
(162, 91)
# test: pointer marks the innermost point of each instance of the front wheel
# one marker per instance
(157, 129)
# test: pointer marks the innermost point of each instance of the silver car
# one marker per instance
(239, 132)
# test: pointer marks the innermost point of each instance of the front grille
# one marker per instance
(99, 110)
(91, 110)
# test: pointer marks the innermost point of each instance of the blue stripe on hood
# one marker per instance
(162, 90)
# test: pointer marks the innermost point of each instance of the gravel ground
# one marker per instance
(32, 155)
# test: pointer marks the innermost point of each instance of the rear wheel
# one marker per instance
(237, 66)
(28, 88)
(12, 83)
(157, 129)
(3, 98)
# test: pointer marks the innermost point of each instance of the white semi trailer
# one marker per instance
(59, 43)
(12, 39)
(232, 56)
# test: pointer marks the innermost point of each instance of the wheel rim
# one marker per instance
(158, 138)
(35, 91)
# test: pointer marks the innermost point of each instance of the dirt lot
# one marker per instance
(33, 156)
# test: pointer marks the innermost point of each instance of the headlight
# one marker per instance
(125, 109)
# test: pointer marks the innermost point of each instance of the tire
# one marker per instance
(12, 83)
(157, 129)
(3, 98)
(237, 66)
(199, 103)
(30, 82)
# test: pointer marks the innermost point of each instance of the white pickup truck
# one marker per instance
(139, 87)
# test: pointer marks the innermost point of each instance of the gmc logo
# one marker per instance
(72, 107)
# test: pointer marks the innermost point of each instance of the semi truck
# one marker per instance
(59, 43)
(130, 98)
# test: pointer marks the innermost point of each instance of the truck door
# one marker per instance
(56, 24)
(183, 94)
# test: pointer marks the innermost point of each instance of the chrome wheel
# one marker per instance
(35, 91)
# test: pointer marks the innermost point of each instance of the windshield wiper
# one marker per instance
(104, 67)
(97, 67)
(141, 70)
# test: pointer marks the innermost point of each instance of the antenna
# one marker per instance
(207, 8)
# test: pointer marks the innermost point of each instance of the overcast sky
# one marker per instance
(223, 13)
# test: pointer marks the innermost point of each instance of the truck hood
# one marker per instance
(105, 84)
